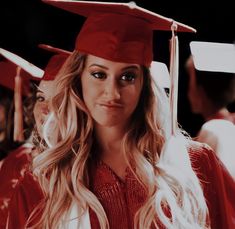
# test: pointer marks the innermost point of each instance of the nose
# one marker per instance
(112, 90)
(45, 109)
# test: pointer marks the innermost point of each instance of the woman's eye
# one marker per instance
(129, 77)
(99, 75)
(40, 98)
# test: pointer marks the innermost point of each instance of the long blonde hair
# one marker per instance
(62, 169)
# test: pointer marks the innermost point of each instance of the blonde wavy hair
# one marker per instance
(162, 163)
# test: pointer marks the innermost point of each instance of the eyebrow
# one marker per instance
(38, 90)
(132, 67)
(125, 68)
(98, 65)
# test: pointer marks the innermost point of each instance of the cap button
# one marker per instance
(132, 5)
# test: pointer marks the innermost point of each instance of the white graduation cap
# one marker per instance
(213, 57)
(22, 63)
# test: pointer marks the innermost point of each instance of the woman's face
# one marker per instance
(194, 94)
(111, 90)
(41, 108)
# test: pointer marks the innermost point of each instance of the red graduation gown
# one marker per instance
(11, 172)
(218, 186)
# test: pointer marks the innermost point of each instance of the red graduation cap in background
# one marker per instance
(55, 62)
(15, 73)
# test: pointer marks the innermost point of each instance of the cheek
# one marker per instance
(90, 91)
(132, 94)
(37, 112)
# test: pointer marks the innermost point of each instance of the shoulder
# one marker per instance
(219, 134)
(217, 127)
(217, 184)
(16, 164)
(22, 153)
(210, 170)
(204, 159)
(199, 151)
(29, 187)
(26, 197)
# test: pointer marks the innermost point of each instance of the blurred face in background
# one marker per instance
(194, 93)
(2, 120)
(41, 107)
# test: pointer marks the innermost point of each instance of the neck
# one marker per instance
(223, 113)
(110, 148)
(110, 139)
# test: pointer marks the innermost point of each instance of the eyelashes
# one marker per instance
(99, 75)
(40, 98)
(129, 76)
(126, 76)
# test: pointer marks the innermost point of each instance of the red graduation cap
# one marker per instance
(119, 32)
(56, 61)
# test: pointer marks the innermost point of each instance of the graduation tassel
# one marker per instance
(174, 72)
(18, 114)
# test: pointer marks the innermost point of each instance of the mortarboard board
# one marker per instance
(55, 62)
(28, 67)
(213, 56)
(9, 65)
(119, 32)
(123, 32)
(15, 73)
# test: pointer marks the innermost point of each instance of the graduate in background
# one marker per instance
(211, 69)
(15, 74)
(44, 92)
(17, 162)
(117, 158)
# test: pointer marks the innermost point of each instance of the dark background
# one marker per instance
(27, 23)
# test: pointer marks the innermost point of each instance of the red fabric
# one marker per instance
(218, 186)
(53, 66)
(7, 76)
(105, 36)
(121, 200)
(118, 32)
(11, 171)
(27, 196)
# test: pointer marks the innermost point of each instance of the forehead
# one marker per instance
(94, 60)
(46, 87)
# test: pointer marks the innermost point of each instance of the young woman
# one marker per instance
(19, 160)
(14, 152)
(111, 160)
